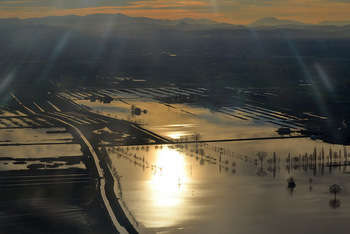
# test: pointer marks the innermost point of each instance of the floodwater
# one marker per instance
(234, 187)
(40, 151)
(31, 135)
(223, 188)
(183, 121)
(24, 149)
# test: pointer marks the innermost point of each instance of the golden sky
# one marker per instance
(230, 11)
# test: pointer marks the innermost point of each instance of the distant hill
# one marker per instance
(272, 21)
(269, 22)
(335, 23)
(101, 22)
(121, 22)
(110, 26)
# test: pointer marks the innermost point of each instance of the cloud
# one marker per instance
(231, 11)
(65, 4)
(116, 4)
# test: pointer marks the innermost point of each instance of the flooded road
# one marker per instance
(226, 189)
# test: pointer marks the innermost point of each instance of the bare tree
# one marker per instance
(335, 188)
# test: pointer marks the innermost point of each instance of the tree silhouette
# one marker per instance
(335, 188)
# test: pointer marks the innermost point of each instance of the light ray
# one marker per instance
(324, 78)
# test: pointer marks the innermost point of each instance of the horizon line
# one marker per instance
(193, 18)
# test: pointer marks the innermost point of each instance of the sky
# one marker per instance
(229, 11)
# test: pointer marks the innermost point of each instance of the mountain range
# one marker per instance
(276, 22)
(121, 21)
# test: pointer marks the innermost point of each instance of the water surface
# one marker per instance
(223, 188)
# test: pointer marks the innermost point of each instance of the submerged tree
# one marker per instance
(335, 188)
(261, 156)
(335, 203)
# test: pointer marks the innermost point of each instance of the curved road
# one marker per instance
(100, 172)
(116, 224)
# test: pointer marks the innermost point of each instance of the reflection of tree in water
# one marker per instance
(310, 184)
(315, 161)
(261, 156)
(334, 203)
(318, 160)
(265, 164)
(335, 189)
(291, 184)
(260, 171)
(226, 161)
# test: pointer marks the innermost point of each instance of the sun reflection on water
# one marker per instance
(178, 134)
(168, 182)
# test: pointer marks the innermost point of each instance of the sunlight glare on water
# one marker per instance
(203, 188)
(168, 183)
(177, 135)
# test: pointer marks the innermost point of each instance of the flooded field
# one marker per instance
(46, 183)
(31, 136)
(259, 184)
(184, 121)
(166, 112)
(234, 187)
(40, 151)
(23, 149)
